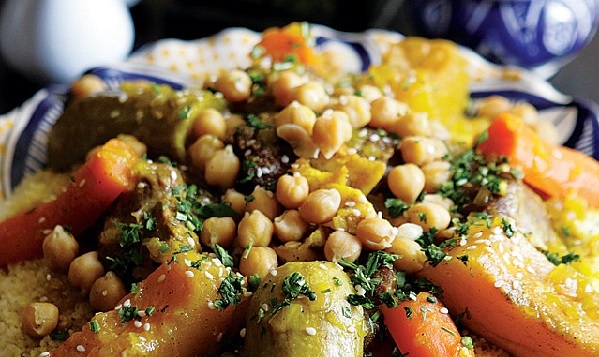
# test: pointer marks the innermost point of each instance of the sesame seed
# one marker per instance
(311, 331)
(219, 337)
(82, 183)
(208, 275)
(242, 332)
(49, 277)
(189, 274)
(41, 220)
(363, 133)
(161, 278)
(350, 203)
(211, 305)
(44, 354)
(498, 284)
(247, 293)
(285, 159)
(259, 172)
(137, 324)
(47, 231)
(374, 138)
(141, 313)
(147, 326)
(444, 310)
(191, 242)
(274, 272)
(127, 303)
(356, 212)
(43, 299)
(80, 348)
(352, 151)
(477, 235)
(264, 307)
(118, 307)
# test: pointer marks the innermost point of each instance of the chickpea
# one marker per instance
(413, 123)
(265, 201)
(235, 85)
(210, 121)
(420, 150)
(406, 182)
(283, 87)
(342, 245)
(440, 200)
(429, 215)
(60, 248)
(409, 231)
(222, 169)
(369, 92)
(385, 112)
(292, 190)
(375, 233)
(39, 319)
(255, 228)
(234, 121)
(298, 114)
(493, 106)
(87, 86)
(218, 230)
(106, 292)
(237, 200)
(436, 174)
(202, 150)
(331, 131)
(412, 259)
(312, 95)
(357, 108)
(320, 206)
(290, 227)
(259, 261)
(85, 270)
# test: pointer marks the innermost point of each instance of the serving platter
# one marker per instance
(24, 131)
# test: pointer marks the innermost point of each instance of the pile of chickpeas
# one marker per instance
(61, 252)
(318, 119)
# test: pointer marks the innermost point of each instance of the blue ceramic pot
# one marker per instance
(537, 34)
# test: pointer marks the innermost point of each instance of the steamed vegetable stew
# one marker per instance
(292, 209)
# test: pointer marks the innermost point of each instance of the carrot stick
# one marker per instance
(104, 176)
(553, 171)
(421, 329)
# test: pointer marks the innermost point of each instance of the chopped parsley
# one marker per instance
(295, 285)
(60, 335)
(94, 326)
(396, 207)
(249, 198)
(255, 122)
(230, 290)
(565, 259)
(223, 255)
(128, 313)
(507, 227)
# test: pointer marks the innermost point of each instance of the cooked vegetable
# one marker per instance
(302, 310)
(422, 327)
(172, 313)
(148, 109)
(105, 175)
(552, 171)
(504, 287)
(288, 44)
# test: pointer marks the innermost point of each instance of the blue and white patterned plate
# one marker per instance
(24, 131)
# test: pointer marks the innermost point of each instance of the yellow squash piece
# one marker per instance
(514, 299)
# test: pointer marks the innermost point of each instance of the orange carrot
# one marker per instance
(289, 40)
(104, 176)
(553, 171)
(421, 328)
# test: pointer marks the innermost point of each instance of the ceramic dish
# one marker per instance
(23, 132)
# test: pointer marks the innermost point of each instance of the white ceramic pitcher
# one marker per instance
(56, 40)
